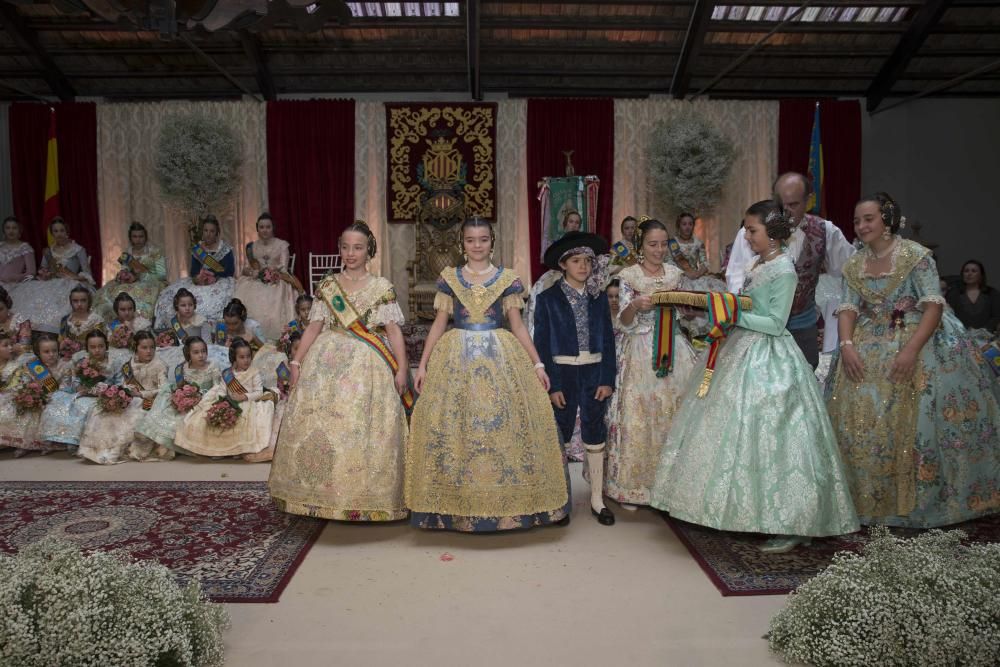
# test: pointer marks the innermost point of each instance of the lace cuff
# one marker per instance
(847, 306)
(444, 302)
(512, 301)
(932, 298)
(390, 313)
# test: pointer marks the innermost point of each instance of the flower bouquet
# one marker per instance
(125, 276)
(121, 336)
(88, 375)
(269, 276)
(223, 414)
(68, 347)
(43, 273)
(31, 397)
(185, 397)
(204, 277)
(113, 399)
(166, 339)
(284, 343)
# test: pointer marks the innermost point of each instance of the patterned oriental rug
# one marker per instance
(227, 535)
(736, 565)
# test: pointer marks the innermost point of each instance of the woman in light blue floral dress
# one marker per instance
(757, 454)
(915, 410)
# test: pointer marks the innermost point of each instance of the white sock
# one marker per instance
(595, 465)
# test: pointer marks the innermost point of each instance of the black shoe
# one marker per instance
(563, 521)
(604, 517)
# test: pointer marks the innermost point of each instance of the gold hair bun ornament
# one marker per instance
(902, 221)
(644, 218)
(691, 299)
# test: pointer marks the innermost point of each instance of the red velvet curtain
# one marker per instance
(840, 129)
(76, 137)
(585, 126)
(310, 174)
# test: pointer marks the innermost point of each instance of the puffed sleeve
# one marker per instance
(927, 282)
(228, 265)
(46, 259)
(256, 388)
(702, 257)
(29, 263)
(84, 260)
(319, 312)
(281, 262)
(444, 299)
(851, 299)
(513, 296)
(158, 269)
(626, 294)
(388, 310)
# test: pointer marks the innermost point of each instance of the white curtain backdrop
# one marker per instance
(396, 241)
(753, 129)
(127, 136)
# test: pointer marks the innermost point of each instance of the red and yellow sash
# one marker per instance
(663, 341)
(232, 384)
(348, 318)
(723, 314)
(206, 260)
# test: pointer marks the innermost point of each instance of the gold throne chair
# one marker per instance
(440, 215)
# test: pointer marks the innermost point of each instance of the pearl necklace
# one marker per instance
(488, 269)
(350, 277)
(771, 255)
(885, 253)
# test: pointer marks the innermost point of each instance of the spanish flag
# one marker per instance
(815, 171)
(51, 208)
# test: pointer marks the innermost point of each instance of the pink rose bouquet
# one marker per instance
(31, 397)
(125, 276)
(88, 374)
(68, 347)
(284, 343)
(113, 399)
(185, 397)
(223, 414)
(121, 336)
(205, 277)
(269, 276)
(166, 339)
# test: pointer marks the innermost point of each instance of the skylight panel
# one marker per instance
(820, 14)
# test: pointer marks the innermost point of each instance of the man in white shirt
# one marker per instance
(817, 246)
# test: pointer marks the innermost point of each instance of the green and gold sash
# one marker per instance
(348, 319)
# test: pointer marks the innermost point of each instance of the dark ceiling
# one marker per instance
(149, 49)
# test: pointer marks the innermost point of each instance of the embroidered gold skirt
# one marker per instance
(484, 453)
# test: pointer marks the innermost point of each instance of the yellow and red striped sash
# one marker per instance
(723, 314)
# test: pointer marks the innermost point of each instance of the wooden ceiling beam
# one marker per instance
(255, 54)
(472, 46)
(694, 40)
(26, 40)
(919, 28)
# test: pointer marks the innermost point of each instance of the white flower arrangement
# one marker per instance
(62, 608)
(198, 162)
(689, 162)
(929, 600)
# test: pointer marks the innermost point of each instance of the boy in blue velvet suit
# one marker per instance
(575, 341)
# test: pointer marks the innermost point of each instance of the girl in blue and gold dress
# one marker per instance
(484, 454)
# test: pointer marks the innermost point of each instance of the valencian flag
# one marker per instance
(51, 208)
(815, 171)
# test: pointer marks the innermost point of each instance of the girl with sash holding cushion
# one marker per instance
(655, 362)
(142, 275)
(46, 372)
(64, 266)
(210, 275)
(74, 328)
(914, 409)
(341, 447)
(14, 324)
(154, 435)
(123, 327)
(17, 258)
(243, 389)
(66, 414)
(266, 287)
(751, 448)
(484, 453)
(108, 435)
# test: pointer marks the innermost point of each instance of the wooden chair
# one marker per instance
(437, 246)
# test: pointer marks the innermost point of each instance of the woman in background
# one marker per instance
(142, 275)
(265, 286)
(210, 275)
(64, 266)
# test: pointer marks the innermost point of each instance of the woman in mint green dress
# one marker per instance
(914, 407)
(758, 453)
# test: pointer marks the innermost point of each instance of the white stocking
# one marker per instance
(595, 465)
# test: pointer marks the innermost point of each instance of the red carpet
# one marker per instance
(227, 535)
(736, 565)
